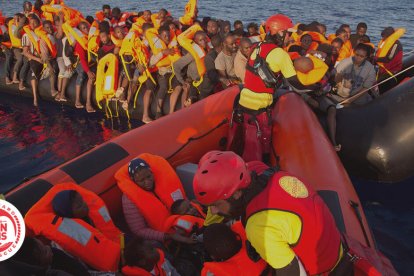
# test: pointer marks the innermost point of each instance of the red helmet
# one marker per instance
(277, 23)
(219, 175)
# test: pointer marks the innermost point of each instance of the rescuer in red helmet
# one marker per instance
(287, 223)
(267, 65)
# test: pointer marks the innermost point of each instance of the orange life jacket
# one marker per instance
(33, 37)
(53, 9)
(75, 35)
(240, 264)
(98, 245)
(185, 222)
(319, 245)
(121, 22)
(189, 13)
(100, 16)
(154, 206)
(346, 51)
(157, 45)
(93, 40)
(137, 271)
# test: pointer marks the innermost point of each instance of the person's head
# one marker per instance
(200, 39)
(220, 242)
(361, 53)
(183, 207)
(104, 26)
(147, 26)
(140, 172)
(84, 27)
(27, 6)
(278, 28)
(141, 253)
(219, 182)
(106, 9)
(119, 32)
(303, 65)
(301, 28)
(363, 39)
(34, 252)
(212, 27)
(245, 46)
(321, 28)
(387, 32)
(147, 15)
(162, 14)
(306, 41)
(229, 44)
(116, 13)
(347, 28)
(342, 34)
(217, 43)
(337, 45)
(34, 21)
(225, 27)
(104, 37)
(238, 24)
(89, 19)
(361, 28)
(165, 34)
(38, 5)
(48, 27)
(70, 204)
(252, 29)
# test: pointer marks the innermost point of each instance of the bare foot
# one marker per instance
(8, 81)
(338, 147)
(21, 86)
(79, 105)
(54, 93)
(35, 103)
(15, 81)
(146, 120)
(90, 109)
(125, 105)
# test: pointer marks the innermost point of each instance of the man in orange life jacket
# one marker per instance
(254, 108)
(286, 222)
(392, 62)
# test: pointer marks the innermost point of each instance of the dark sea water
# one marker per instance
(32, 141)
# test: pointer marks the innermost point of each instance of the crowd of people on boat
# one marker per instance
(258, 220)
(120, 53)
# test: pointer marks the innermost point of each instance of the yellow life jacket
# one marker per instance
(185, 39)
(157, 45)
(68, 13)
(34, 39)
(316, 74)
(106, 78)
(384, 46)
(155, 20)
(137, 26)
(93, 40)
(116, 41)
(75, 35)
(189, 13)
(42, 34)
(16, 42)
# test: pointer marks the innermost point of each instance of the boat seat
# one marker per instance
(186, 174)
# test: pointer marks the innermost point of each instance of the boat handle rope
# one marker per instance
(354, 205)
(223, 122)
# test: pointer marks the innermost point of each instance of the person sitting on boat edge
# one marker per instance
(150, 186)
(286, 222)
(230, 252)
(142, 258)
(253, 111)
(36, 258)
(354, 75)
(77, 220)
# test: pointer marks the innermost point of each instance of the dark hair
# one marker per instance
(140, 13)
(163, 10)
(338, 40)
(116, 12)
(238, 32)
(90, 19)
(136, 252)
(38, 5)
(34, 17)
(312, 27)
(221, 242)
(253, 25)
(146, 26)
(305, 35)
(216, 41)
(340, 31)
(387, 31)
(363, 47)
(364, 39)
(245, 40)
(237, 22)
(104, 27)
(164, 28)
(8, 19)
(176, 206)
(199, 33)
(302, 27)
(326, 48)
(26, 253)
(47, 22)
(343, 26)
(106, 7)
(362, 25)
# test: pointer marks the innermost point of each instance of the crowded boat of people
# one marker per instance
(228, 229)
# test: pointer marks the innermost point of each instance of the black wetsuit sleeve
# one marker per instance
(298, 87)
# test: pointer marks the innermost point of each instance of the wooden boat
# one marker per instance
(183, 137)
